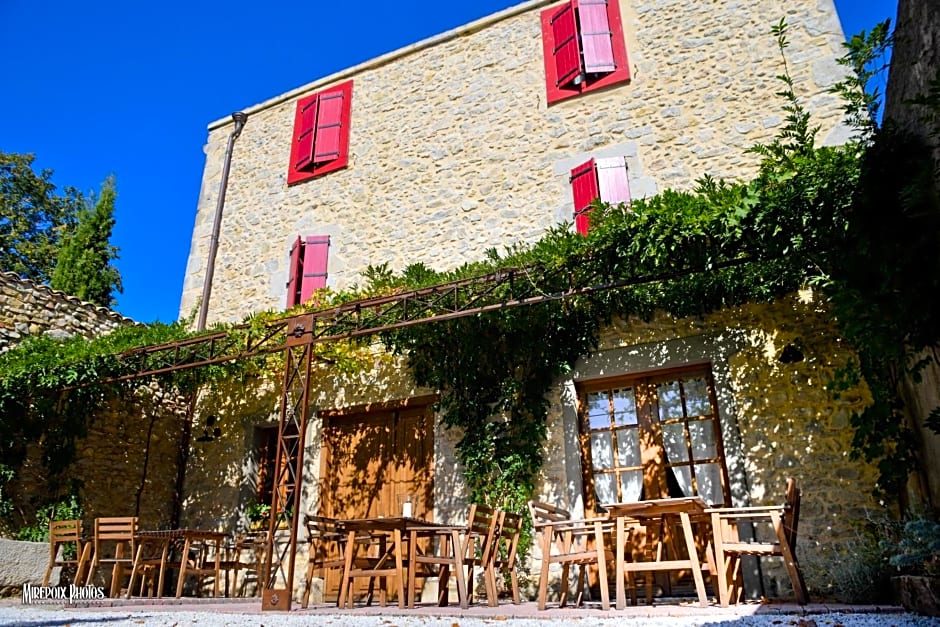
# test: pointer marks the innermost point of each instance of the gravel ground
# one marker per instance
(36, 616)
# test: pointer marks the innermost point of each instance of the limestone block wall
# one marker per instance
(126, 465)
(453, 149)
(27, 308)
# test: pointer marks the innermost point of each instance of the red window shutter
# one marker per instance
(316, 254)
(294, 274)
(585, 191)
(596, 36)
(612, 182)
(306, 121)
(321, 133)
(329, 127)
(566, 49)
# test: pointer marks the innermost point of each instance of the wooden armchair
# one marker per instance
(501, 556)
(774, 528)
(482, 522)
(66, 536)
(325, 542)
(570, 542)
(245, 552)
(114, 544)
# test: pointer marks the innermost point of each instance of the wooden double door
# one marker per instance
(371, 463)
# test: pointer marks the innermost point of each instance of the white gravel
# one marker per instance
(36, 616)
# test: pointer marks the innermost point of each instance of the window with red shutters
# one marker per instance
(321, 133)
(308, 263)
(583, 47)
(604, 178)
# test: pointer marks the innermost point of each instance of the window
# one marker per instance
(583, 47)
(308, 260)
(598, 178)
(652, 436)
(268, 475)
(321, 134)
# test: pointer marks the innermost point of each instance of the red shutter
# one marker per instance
(294, 274)
(584, 189)
(329, 127)
(612, 180)
(316, 254)
(306, 121)
(596, 42)
(566, 50)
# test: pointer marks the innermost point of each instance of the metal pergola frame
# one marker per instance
(296, 336)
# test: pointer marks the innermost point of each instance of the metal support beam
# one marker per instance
(278, 573)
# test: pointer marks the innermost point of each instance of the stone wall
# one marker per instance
(27, 308)
(453, 149)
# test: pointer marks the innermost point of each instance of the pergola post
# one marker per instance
(291, 435)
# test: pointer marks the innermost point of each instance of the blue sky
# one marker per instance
(127, 88)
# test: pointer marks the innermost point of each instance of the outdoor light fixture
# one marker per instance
(239, 117)
(206, 435)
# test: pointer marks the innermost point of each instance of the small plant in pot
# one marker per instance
(258, 515)
(917, 557)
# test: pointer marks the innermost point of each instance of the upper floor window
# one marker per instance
(308, 262)
(653, 436)
(604, 178)
(584, 47)
(321, 133)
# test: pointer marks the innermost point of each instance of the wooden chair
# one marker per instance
(501, 557)
(65, 536)
(774, 528)
(567, 541)
(441, 556)
(326, 548)
(245, 552)
(114, 544)
(482, 522)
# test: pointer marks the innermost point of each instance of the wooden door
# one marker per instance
(370, 463)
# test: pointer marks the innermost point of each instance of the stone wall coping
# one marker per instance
(385, 59)
(12, 277)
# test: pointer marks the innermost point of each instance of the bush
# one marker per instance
(68, 508)
(918, 551)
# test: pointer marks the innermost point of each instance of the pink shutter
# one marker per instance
(612, 182)
(316, 254)
(566, 51)
(596, 42)
(305, 133)
(584, 189)
(294, 274)
(329, 127)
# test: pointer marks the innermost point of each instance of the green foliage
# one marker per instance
(69, 508)
(33, 217)
(918, 551)
(6, 475)
(258, 512)
(83, 267)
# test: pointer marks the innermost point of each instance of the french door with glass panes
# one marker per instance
(652, 436)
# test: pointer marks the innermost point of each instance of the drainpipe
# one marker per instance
(239, 118)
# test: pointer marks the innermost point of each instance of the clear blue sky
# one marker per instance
(128, 87)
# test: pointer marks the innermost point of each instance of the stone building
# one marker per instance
(486, 136)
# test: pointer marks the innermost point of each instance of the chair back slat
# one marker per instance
(65, 531)
(791, 514)
(545, 512)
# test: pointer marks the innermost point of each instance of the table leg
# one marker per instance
(412, 574)
(399, 568)
(456, 545)
(183, 558)
(218, 556)
(693, 558)
(164, 553)
(344, 584)
(620, 574)
(135, 567)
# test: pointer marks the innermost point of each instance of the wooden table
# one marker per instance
(659, 510)
(395, 539)
(161, 541)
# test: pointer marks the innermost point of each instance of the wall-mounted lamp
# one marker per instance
(208, 436)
